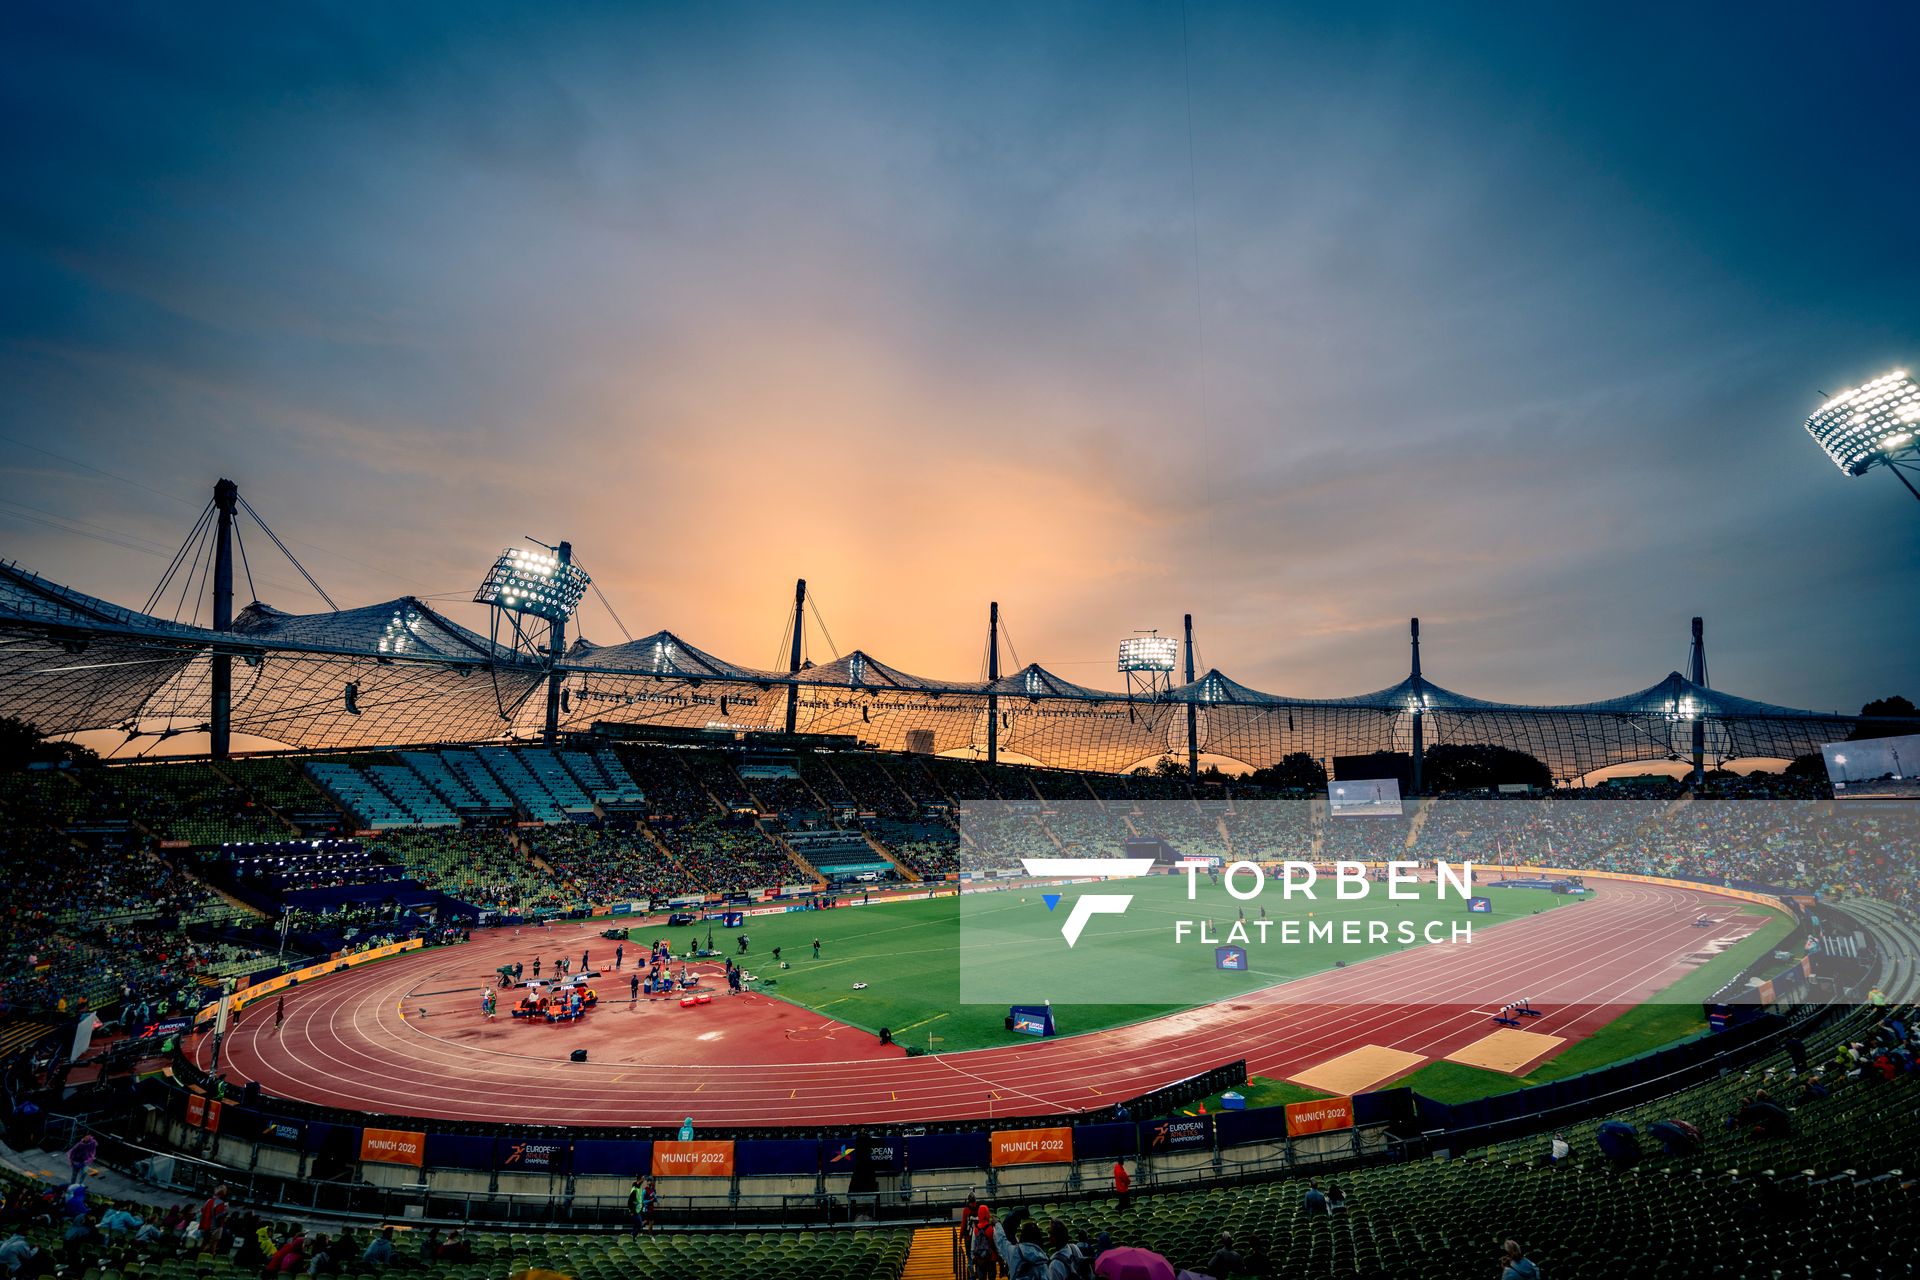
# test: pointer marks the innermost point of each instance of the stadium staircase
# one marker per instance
(1422, 811)
(1897, 940)
(906, 872)
(933, 1255)
(232, 778)
(881, 769)
(21, 1033)
(661, 847)
(811, 872)
(353, 791)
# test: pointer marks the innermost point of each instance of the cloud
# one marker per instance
(933, 306)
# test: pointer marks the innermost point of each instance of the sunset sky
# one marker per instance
(1506, 316)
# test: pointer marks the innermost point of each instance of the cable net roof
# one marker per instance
(399, 672)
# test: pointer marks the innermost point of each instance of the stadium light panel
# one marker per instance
(1149, 653)
(534, 582)
(1858, 429)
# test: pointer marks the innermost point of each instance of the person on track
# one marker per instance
(279, 1014)
(633, 989)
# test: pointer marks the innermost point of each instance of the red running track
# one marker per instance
(405, 1037)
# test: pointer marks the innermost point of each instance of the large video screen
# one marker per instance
(1875, 768)
(1364, 798)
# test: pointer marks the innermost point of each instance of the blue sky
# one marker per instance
(1504, 316)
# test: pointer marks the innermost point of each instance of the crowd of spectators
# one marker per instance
(479, 865)
(603, 864)
(65, 1231)
(95, 901)
(719, 855)
(864, 780)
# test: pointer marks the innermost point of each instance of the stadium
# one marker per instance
(1167, 733)
(820, 980)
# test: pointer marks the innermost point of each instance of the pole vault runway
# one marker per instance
(405, 1037)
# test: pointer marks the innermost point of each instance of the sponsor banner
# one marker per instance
(530, 1155)
(608, 1156)
(697, 1159)
(1031, 1146)
(203, 1113)
(459, 1151)
(1031, 1019)
(393, 1146)
(779, 1156)
(1742, 895)
(163, 1028)
(267, 987)
(839, 1155)
(947, 1151)
(1320, 1116)
(282, 1132)
(1255, 1124)
(1179, 1133)
(1103, 1141)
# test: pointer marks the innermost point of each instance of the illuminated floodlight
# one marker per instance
(536, 582)
(1149, 653)
(1877, 424)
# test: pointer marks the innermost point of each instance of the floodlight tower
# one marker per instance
(1148, 659)
(1877, 424)
(544, 584)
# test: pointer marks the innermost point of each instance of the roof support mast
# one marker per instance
(1193, 713)
(1419, 708)
(226, 498)
(993, 675)
(1698, 674)
(556, 650)
(793, 660)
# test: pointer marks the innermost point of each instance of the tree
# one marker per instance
(1813, 765)
(1168, 767)
(1902, 718)
(1477, 766)
(22, 745)
(1296, 771)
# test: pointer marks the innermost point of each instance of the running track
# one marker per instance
(358, 1040)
